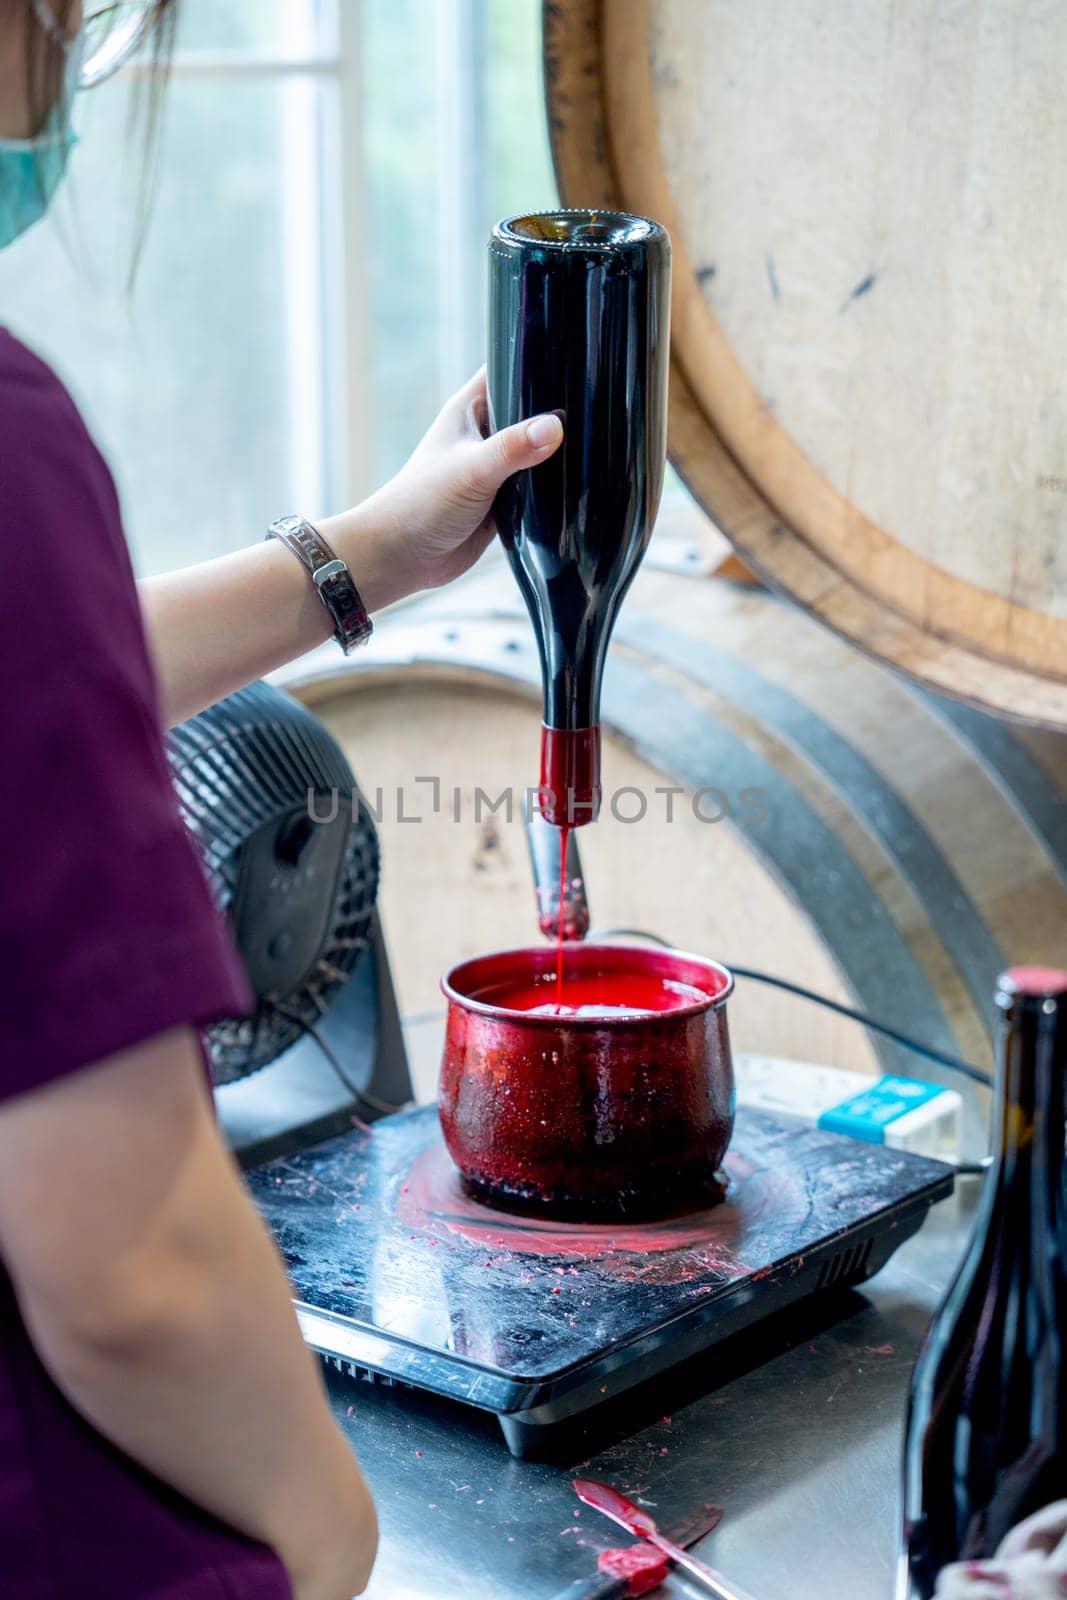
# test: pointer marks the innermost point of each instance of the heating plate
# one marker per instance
(401, 1277)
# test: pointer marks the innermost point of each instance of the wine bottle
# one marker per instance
(579, 324)
(986, 1438)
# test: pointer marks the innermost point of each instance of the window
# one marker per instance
(313, 280)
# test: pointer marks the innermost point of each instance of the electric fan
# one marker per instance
(291, 853)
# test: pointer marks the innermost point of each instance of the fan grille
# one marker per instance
(259, 757)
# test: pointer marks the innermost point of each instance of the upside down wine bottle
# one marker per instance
(986, 1440)
(579, 324)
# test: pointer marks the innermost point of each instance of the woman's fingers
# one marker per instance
(465, 414)
(524, 444)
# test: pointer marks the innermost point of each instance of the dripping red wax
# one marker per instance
(564, 836)
(620, 995)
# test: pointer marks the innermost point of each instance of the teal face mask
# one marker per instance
(31, 170)
(30, 173)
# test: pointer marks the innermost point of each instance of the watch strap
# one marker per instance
(330, 576)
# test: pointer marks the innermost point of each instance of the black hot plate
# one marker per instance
(398, 1274)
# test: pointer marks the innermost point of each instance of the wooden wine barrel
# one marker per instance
(832, 823)
(867, 205)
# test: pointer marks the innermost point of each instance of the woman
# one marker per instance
(163, 1431)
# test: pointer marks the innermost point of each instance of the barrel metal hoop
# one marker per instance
(952, 913)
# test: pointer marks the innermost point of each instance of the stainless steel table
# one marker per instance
(797, 1436)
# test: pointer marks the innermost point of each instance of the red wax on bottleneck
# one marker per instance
(570, 775)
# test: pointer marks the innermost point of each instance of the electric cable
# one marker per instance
(371, 1101)
(754, 975)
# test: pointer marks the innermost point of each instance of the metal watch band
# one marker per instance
(331, 577)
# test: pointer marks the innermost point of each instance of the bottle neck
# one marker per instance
(1028, 1130)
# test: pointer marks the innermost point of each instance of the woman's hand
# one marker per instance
(433, 520)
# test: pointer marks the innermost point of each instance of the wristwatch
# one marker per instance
(331, 577)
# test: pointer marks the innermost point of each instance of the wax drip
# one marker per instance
(643, 1568)
(564, 834)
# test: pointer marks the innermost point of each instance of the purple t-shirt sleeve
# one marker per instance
(108, 934)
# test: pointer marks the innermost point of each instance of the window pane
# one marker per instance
(192, 389)
(520, 163)
(271, 27)
(403, 130)
(401, 156)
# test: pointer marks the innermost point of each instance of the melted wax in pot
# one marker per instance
(631, 994)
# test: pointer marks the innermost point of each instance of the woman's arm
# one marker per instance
(216, 626)
(156, 1299)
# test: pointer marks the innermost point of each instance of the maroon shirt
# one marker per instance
(107, 937)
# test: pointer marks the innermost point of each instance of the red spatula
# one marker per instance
(616, 1506)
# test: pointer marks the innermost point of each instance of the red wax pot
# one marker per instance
(593, 1116)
